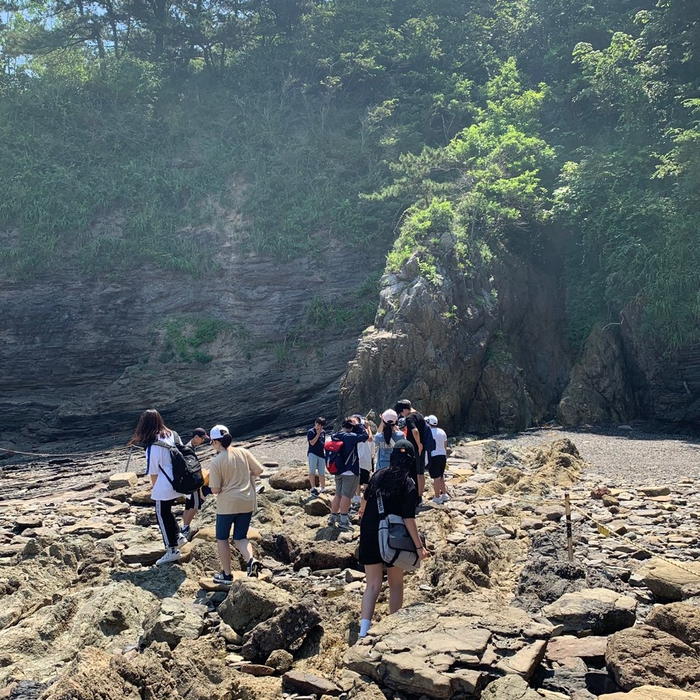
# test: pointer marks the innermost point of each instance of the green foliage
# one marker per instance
(132, 130)
(186, 340)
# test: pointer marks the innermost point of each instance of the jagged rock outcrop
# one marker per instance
(483, 350)
(599, 390)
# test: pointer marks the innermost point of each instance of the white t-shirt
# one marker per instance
(440, 437)
(364, 454)
(157, 462)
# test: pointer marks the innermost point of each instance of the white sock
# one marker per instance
(364, 627)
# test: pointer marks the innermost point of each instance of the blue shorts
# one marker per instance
(240, 522)
(317, 465)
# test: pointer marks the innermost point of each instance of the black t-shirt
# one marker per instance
(415, 420)
(319, 447)
(403, 505)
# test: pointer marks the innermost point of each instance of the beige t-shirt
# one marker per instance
(232, 471)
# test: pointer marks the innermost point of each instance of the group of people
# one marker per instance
(403, 446)
(231, 478)
(382, 466)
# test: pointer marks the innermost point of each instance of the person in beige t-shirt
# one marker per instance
(232, 479)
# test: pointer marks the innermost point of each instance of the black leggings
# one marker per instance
(167, 523)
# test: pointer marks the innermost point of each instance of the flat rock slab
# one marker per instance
(440, 651)
(256, 669)
(652, 692)
(24, 522)
(120, 481)
(146, 553)
(300, 682)
(207, 584)
(567, 646)
(97, 531)
(666, 581)
(510, 688)
(596, 610)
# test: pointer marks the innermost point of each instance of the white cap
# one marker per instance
(389, 416)
(218, 431)
(431, 420)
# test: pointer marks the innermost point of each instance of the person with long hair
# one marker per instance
(388, 434)
(150, 432)
(399, 497)
(232, 479)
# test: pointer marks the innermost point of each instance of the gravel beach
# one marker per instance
(625, 456)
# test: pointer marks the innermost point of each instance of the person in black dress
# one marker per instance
(400, 497)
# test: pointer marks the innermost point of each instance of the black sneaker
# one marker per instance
(254, 568)
(314, 491)
(221, 577)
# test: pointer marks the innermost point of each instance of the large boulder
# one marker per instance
(681, 620)
(666, 580)
(107, 617)
(644, 655)
(284, 630)
(323, 554)
(173, 621)
(251, 601)
(290, 479)
(592, 611)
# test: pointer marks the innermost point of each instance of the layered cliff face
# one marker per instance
(481, 348)
(247, 345)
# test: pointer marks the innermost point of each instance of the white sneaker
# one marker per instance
(181, 540)
(444, 498)
(171, 555)
(437, 500)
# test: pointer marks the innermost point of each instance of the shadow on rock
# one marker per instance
(163, 582)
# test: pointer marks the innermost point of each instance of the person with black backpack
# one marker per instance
(152, 433)
(398, 494)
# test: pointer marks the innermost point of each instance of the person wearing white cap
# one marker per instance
(388, 433)
(438, 461)
(231, 478)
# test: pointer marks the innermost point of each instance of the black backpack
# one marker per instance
(187, 471)
(428, 441)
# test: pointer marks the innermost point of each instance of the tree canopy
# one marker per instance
(128, 126)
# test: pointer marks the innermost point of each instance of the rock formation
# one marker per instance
(495, 612)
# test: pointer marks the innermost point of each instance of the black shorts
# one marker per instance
(364, 476)
(420, 464)
(194, 500)
(369, 547)
(437, 466)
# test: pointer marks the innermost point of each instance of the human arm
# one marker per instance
(214, 476)
(255, 468)
(411, 425)
(412, 528)
(313, 439)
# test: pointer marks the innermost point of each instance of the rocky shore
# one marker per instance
(497, 612)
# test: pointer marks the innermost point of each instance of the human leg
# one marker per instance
(373, 586)
(193, 503)
(167, 523)
(223, 530)
(395, 577)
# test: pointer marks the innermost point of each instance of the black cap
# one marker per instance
(200, 432)
(403, 447)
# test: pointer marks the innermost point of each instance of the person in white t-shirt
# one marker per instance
(438, 461)
(365, 454)
(151, 430)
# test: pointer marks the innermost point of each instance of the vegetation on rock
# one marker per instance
(128, 126)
